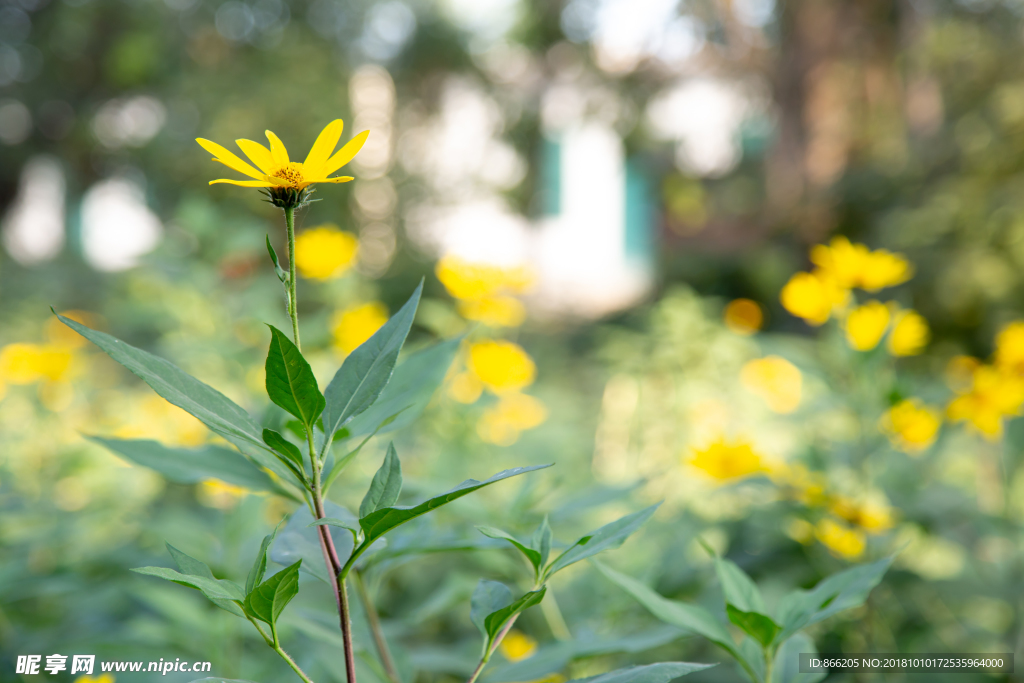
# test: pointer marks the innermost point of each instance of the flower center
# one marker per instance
(291, 174)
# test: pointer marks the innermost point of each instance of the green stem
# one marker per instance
(375, 628)
(490, 651)
(284, 655)
(293, 308)
(769, 662)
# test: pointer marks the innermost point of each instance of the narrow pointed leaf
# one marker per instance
(787, 662)
(758, 626)
(488, 598)
(268, 600)
(738, 588)
(259, 566)
(496, 620)
(381, 521)
(290, 381)
(289, 452)
(366, 371)
(282, 275)
(541, 541)
(215, 589)
(609, 536)
(200, 400)
(192, 567)
(386, 485)
(533, 556)
(662, 672)
(193, 465)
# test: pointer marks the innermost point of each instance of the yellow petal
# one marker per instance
(228, 158)
(277, 149)
(259, 154)
(322, 148)
(346, 153)
(242, 183)
(338, 179)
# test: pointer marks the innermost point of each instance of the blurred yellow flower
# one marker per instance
(871, 515)
(518, 646)
(103, 678)
(800, 483)
(993, 395)
(1010, 347)
(725, 460)
(910, 334)
(854, 265)
(27, 363)
(812, 298)
(775, 380)
(866, 324)
(473, 281)
(800, 530)
(911, 426)
(497, 311)
(743, 316)
(501, 365)
(514, 413)
(274, 169)
(352, 326)
(325, 252)
(465, 387)
(840, 539)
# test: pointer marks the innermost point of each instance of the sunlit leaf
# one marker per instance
(290, 381)
(609, 536)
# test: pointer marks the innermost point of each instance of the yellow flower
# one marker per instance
(1010, 347)
(325, 252)
(501, 365)
(909, 334)
(473, 281)
(352, 326)
(274, 169)
(513, 414)
(866, 324)
(28, 363)
(840, 539)
(103, 678)
(723, 460)
(993, 395)
(911, 426)
(465, 387)
(497, 311)
(777, 381)
(854, 265)
(518, 646)
(743, 316)
(812, 297)
(870, 515)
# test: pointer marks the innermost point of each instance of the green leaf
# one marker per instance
(268, 600)
(541, 541)
(352, 526)
(752, 660)
(761, 627)
(839, 592)
(290, 381)
(365, 372)
(200, 400)
(738, 588)
(214, 589)
(282, 275)
(488, 598)
(386, 485)
(289, 452)
(381, 521)
(690, 618)
(533, 556)
(787, 663)
(259, 566)
(346, 459)
(193, 567)
(495, 621)
(662, 672)
(411, 387)
(193, 465)
(609, 536)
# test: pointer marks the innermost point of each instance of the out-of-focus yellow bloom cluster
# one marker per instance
(743, 316)
(826, 292)
(989, 394)
(485, 293)
(775, 380)
(325, 252)
(102, 678)
(352, 326)
(54, 362)
(911, 426)
(727, 460)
